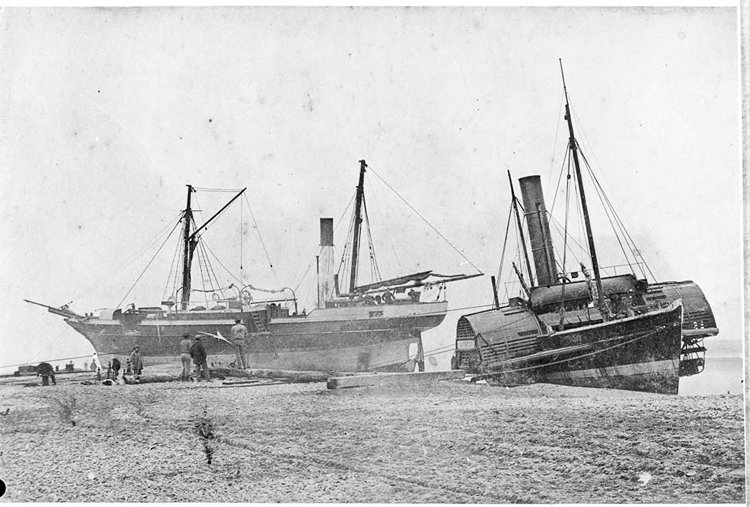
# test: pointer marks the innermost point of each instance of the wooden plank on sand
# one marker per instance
(239, 382)
(270, 382)
(378, 379)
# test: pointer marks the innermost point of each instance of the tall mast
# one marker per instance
(357, 222)
(520, 229)
(190, 241)
(589, 234)
(187, 252)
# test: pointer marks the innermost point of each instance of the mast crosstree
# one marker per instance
(191, 241)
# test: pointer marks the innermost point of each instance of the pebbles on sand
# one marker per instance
(440, 442)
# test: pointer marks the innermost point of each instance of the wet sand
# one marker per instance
(447, 441)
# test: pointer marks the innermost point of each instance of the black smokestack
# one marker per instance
(325, 262)
(538, 225)
(326, 232)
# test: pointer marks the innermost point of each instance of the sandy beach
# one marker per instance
(437, 442)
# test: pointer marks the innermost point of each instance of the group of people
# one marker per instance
(195, 352)
(134, 365)
(190, 352)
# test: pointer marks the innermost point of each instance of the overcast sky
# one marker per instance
(108, 113)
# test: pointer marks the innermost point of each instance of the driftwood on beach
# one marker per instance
(287, 375)
(222, 373)
(376, 379)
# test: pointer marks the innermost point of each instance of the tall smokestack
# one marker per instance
(538, 225)
(325, 277)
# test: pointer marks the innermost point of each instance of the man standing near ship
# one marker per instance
(185, 356)
(46, 371)
(136, 361)
(198, 353)
(115, 368)
(239, 338)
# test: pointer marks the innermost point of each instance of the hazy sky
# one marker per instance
(108, 113)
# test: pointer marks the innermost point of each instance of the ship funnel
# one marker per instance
(538, 225)
(325, 262)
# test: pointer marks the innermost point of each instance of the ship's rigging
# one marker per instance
(351, 260)
(183, 284)
(549, 270)
(179, 286)
(610, 329)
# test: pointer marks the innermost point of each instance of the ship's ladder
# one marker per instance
(258, 322)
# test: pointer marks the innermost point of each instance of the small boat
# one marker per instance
(372, 327)
(581, 327)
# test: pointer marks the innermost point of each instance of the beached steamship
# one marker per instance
(373, 327)
(569, 327)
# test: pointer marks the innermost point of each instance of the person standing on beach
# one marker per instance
(115, 368)
(239, 338)
(200, 359)
(46, 371)
(136, 361)
(185, 356)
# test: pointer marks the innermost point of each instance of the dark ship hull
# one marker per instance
(352, 338)
(521, 337)
(640, 353)
(614, 331)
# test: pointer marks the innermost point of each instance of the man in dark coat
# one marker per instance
(136, 361)
(116, 367)
(200, 359)
(46, 371)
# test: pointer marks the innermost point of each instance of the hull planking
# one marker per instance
(639, 353)
(355, 338)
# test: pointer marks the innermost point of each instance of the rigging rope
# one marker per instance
(621, 224)
(119, 268)
(30, 363)
(565, 244)
(213, 290)
(307, 269)
(566, 159)
(223, 266)
(629, 240)
(345, 264)
(557, 131)
(505, 242)
(558, 228)
(255, 223)
(173, 269)
(374, 270)
(147, 266)
(210, 274)
(210, 268)
(425, 220)
(200, 269)
(204, 189)
(607, 212)
(379, 209)
(266, 290)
